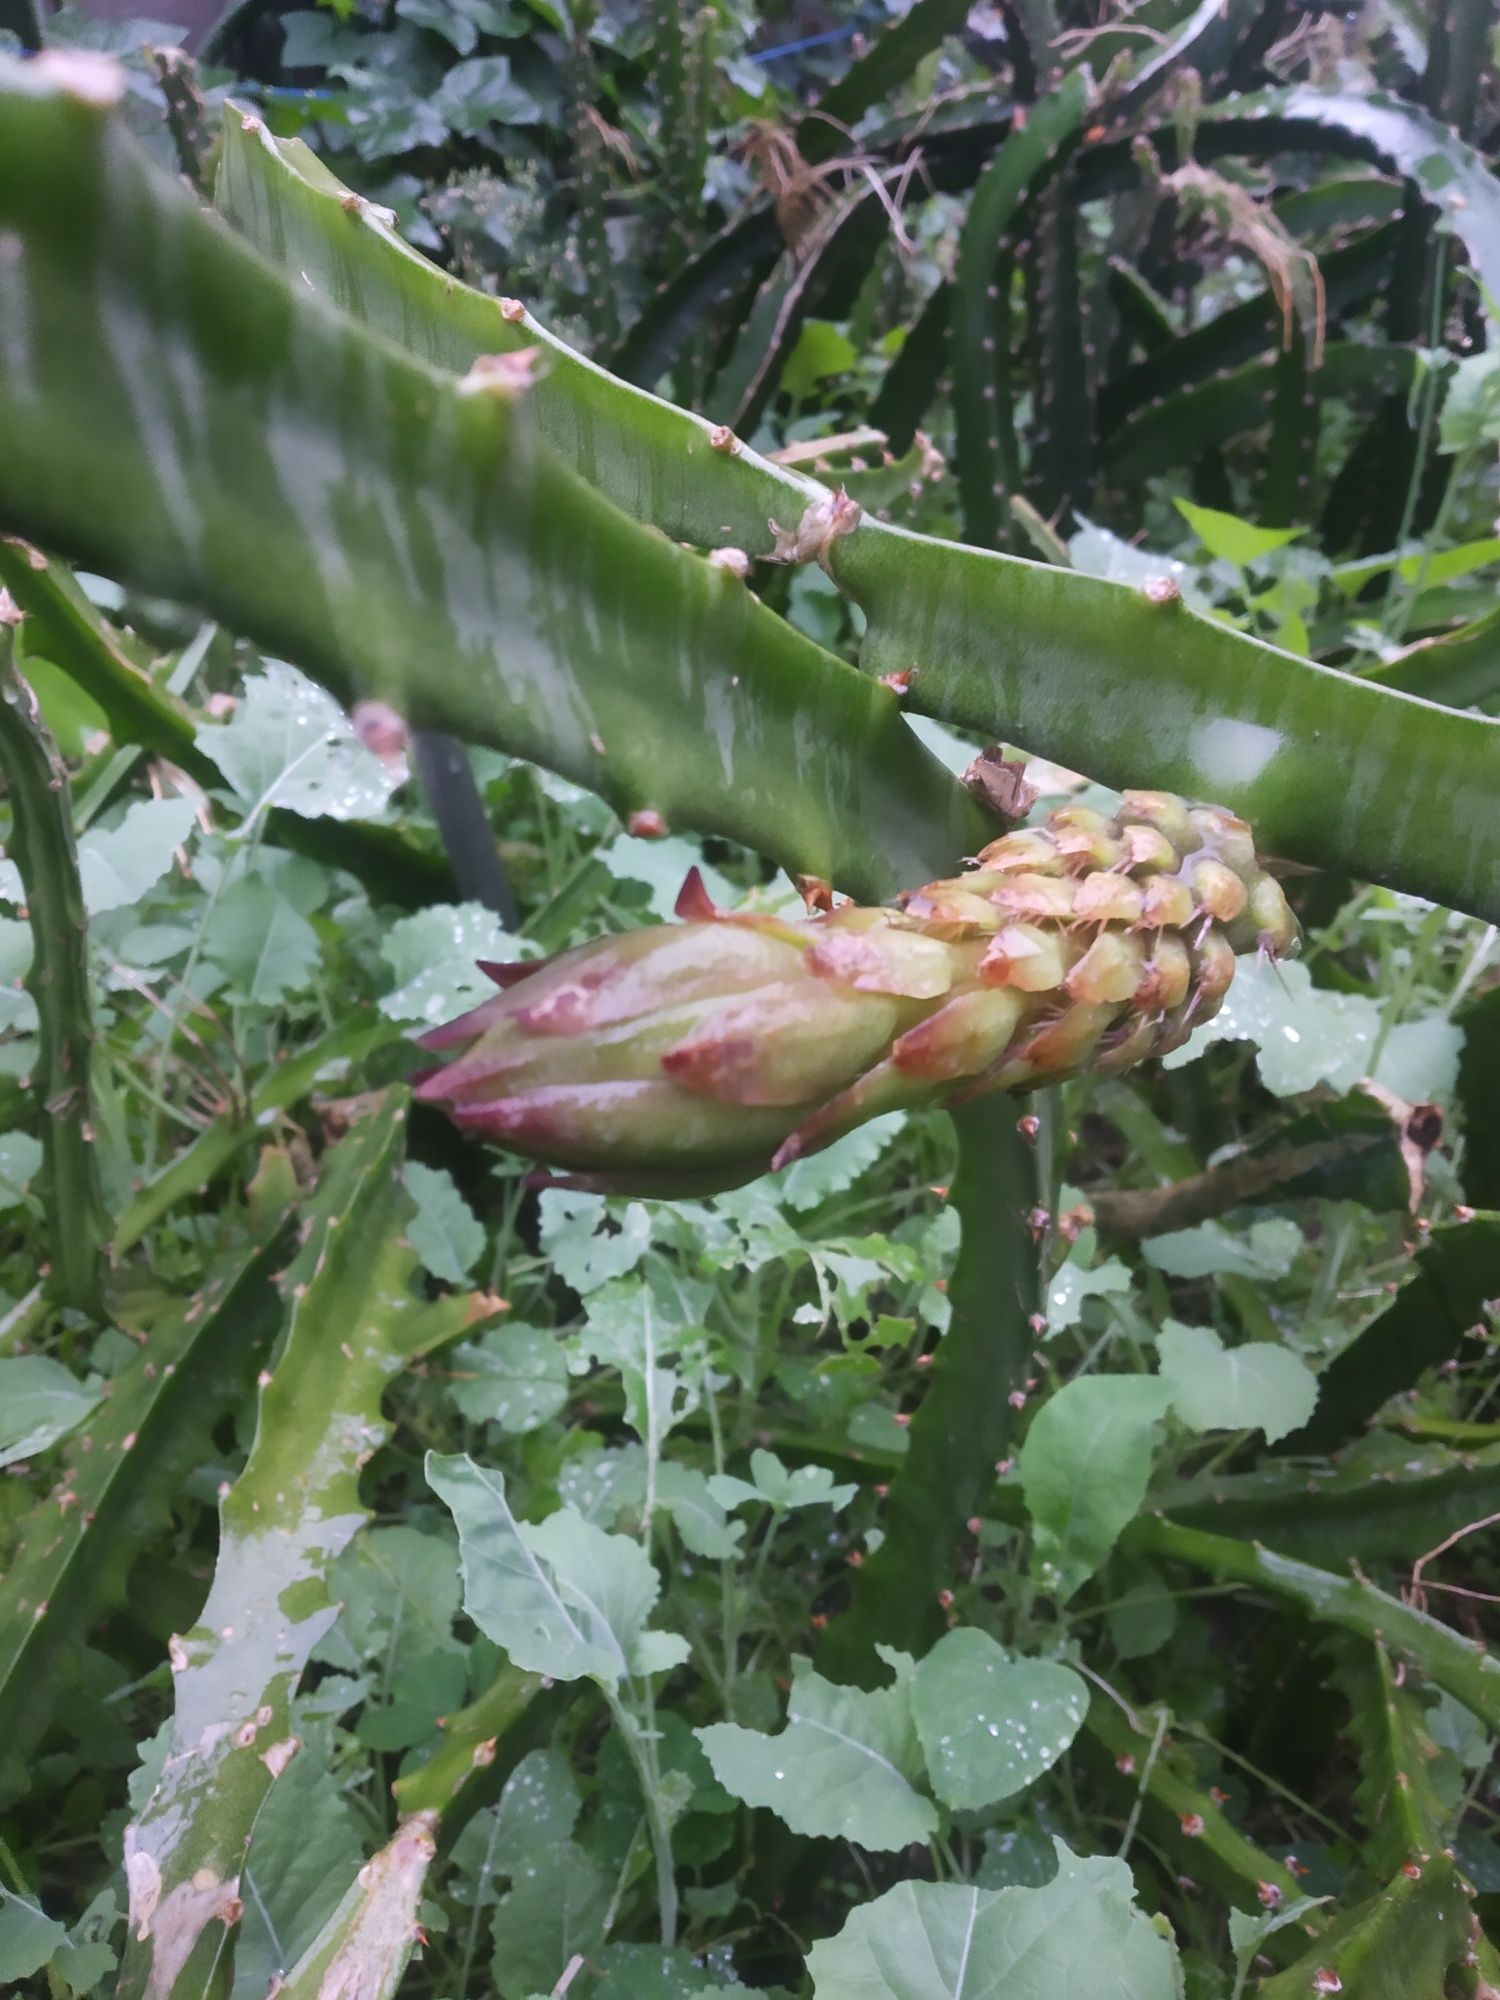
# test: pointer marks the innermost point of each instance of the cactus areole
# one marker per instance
(696, 1055)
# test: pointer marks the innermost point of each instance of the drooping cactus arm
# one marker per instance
(657, 462)
(1133, 686)
(179, 415)
(41, 842)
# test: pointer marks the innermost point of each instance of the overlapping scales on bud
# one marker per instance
(699, 1054)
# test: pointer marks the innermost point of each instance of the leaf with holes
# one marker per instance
(433, 957)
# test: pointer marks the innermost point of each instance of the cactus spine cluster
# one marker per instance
(704, 1052)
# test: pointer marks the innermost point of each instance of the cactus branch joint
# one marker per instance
(692, 1056)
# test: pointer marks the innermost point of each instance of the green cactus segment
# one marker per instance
(728, 267)
(1460, 1667)
(352, 1322)
(654, 460)
(1063, 449)
(63, 627)
(682, 75)
(1340, 202)
(705, 1052)
(1238, 334)
(1461, 669)
(1449, 174)
(1132, 686)
(911, 382)
(1417, 1935)
(1294, 437)
(470, 1741)
(342, 1051)
(121, 1476)
(965, 1420)
(590, 185)
(1424, 1325)
(1207, 40)
(836, 254)
(1329, 1516)
(363, 1949)
(884, 67)
(42, 847)
(1145, 318)
(397, 533)
(983, 394)
(1219, 1857)
(1404, 1812)
(1178, 429)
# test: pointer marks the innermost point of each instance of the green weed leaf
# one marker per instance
(40, 1402)
(1264, 1251)
(307, 1849)
(989, 1724)
(1084, 1468)
(1081, 1934)
(267, 949)
(701, 1521)
(628, 1329)
(1231, 539)
(20, 1162)
(554, 1910)
(433, 955)
(774, 1486)
(1255, 1386)
(117, 865)
(560, 1596)
(589, 1240)
(289, 744)
(844, 1767)
(648, 1972)
(1307, 1035)
(515, 1377)
(444, 1232)
(1071, 1284)
(28, 1937)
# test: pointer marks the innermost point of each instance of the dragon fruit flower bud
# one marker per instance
(693, 1056)
(1028, 957)
(1108, 899)
(1145, 847)
(1027, 848)
(1167, 813)
(1084, 837)
(1226, 835)
(1167, 903)
(1218, 889)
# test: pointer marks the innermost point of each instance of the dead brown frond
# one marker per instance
(613, 140)
(805, 195)
(1239, 215)
(1416, 1592)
